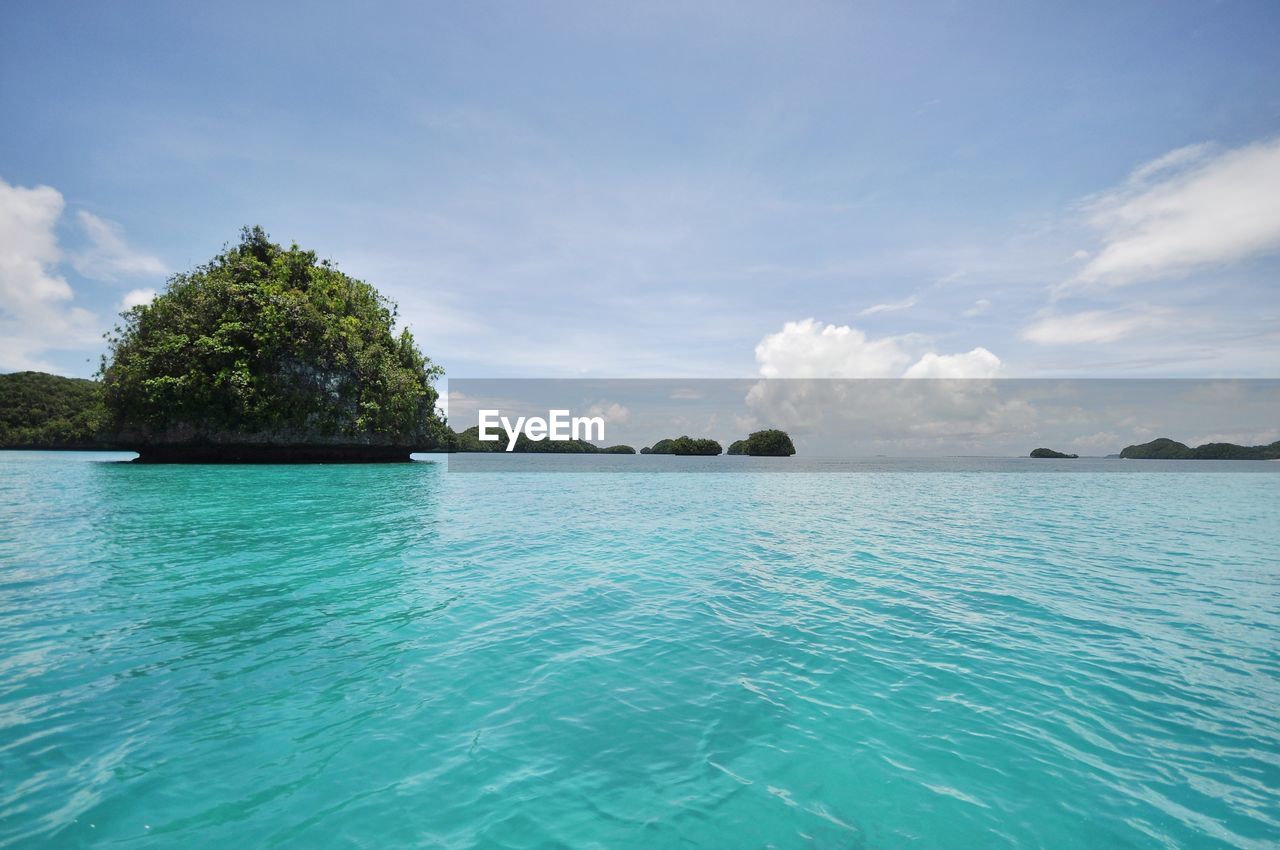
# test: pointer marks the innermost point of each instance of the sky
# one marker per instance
(595, 189)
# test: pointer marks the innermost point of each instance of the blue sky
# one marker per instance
(670, 189)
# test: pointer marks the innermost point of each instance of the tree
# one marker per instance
(1164, 448)
(269, 345)
(768, 443)
(684, 446)
(39, 410)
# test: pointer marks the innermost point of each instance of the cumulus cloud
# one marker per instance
(37, 309)
(811, 349)
(978, 363)
(1240, 438)
(874, 414)
(108, 256)
(1189, 209)
(931, 411)
(1100, 442)
(29, 247)
(613, 413)
(136, 298)
(35, 313)
(1090, 326)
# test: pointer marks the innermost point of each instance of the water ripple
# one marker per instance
(397, 656)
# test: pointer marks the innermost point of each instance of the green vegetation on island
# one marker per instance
(768, 443)
(43, 411)
(268, 353)
(1050, 453)
(684, 446)
(1167, 449)
(469, 441)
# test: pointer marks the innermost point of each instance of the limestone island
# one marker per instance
(268, 354)
(684, 446)
(1164, 448)
(1050, 453)
(768, 443)
(43, 411)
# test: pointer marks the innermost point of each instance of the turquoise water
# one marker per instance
(404, 657)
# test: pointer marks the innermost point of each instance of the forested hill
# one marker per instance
(43, 411)
(1167, 449)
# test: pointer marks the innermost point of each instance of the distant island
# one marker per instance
(268, 354)
(43, 411)
(1164, 448)
(1050, 453)
(684, 446)
(768, 443)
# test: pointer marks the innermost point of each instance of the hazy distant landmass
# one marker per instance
(684, 445)
(1050, 453)
(43, 411)
(767, 443)
(469, 441)
(1167, 449)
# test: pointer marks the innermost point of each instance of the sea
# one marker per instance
(860, 653)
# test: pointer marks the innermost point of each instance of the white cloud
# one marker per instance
(1187, 210)
(811, 349)
(952, 413)
(978, 363)
(905, 304)
(35, 315)
(613, 413)
(1100, 442)
(1240, 438)
(109, 257)
(1090, 326)
(136, 298)
(29, 246)
(979, 307)
(1174, 159)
